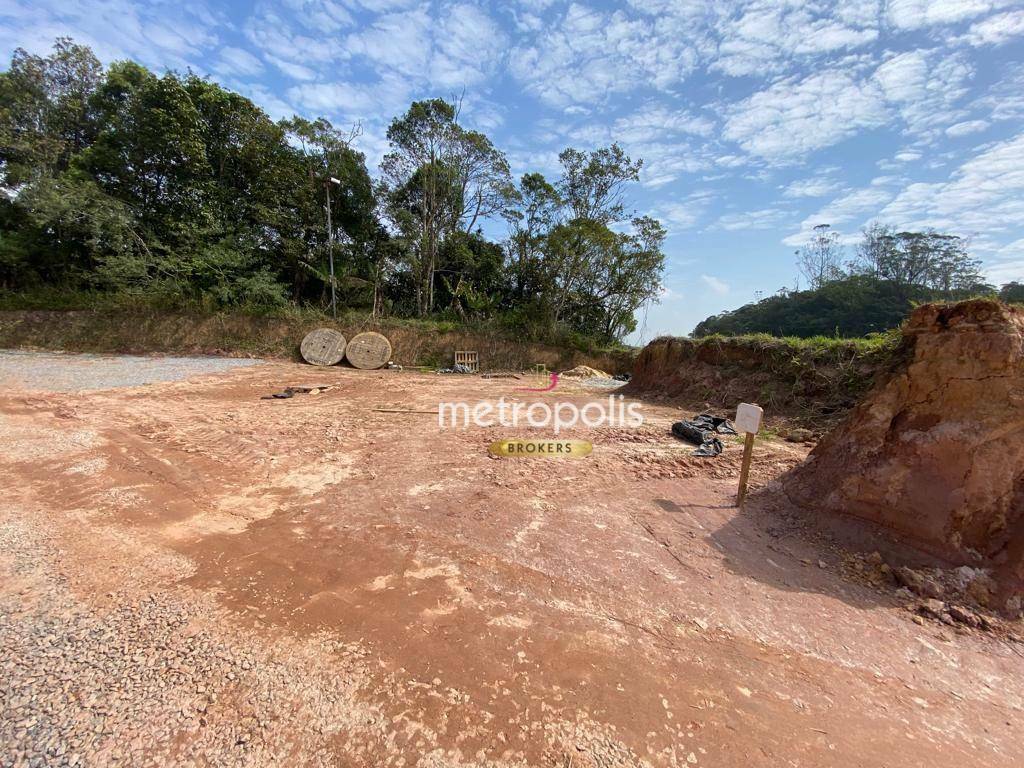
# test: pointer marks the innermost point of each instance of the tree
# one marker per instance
(914, 260)
(570, 269)
(441, 178)
(150, 154)
(592, 185)
(1012, 293)
(45, 110)
(471, 272)
(821, 259)
(535, 209)
(893, 271)
(319, 152)
(123, 180)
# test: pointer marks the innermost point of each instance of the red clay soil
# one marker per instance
(810, 385)
(936, 452)
(190, 574)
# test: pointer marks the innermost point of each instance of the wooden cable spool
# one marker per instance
(368, 350)
(323, 346)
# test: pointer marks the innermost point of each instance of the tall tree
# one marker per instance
(45, 110)
(820, 260)
(454, 177)
(914, 260)
(571, 267)
(593, 184)
(535, 209)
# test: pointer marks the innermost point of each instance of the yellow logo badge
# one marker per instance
(569, 449)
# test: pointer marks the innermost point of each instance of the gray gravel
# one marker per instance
(62, 372)
(143, 681)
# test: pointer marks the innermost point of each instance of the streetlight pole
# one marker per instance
(330, 243)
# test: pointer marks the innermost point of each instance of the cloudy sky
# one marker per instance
(756, 119)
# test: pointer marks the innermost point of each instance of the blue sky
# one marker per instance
(756, 120)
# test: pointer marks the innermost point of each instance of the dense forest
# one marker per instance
(172, 188)
(891, 272)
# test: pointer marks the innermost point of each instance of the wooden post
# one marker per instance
(748, 450)
(748, 421)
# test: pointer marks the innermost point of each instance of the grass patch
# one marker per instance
(52, 299)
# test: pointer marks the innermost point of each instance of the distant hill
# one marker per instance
(855, 305)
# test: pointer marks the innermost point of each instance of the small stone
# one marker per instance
(980, 592)
(933, 607)
(916, 582)
(964, 616)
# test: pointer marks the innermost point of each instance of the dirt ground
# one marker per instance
(190, 574)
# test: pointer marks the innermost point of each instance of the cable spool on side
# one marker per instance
(323, 346)
(368, 350)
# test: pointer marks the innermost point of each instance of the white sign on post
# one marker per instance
(748, 418)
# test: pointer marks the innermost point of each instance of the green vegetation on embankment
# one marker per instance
(812, 381)
(105, 325)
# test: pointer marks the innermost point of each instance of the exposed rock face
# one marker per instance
(936, 450)
(819, 383)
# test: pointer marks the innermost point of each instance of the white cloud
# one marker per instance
(924, 86)
(159, 36)
(766, 218)
(793, 117)
(846, 214)
(765, 35)
(1005, 99)
(998, 29)
(352, 102)
(293, 70)
(796, 116)
(684, 214)
(817, 186)
(589, 55)
(467, 46)
(985, 195)
(917, 14)
(718, 286)
(654, 121)
(966, 128)
(236, 61)
(1006, 263)
(291, 47)
(398, 42)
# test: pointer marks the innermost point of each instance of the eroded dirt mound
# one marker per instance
(585, 372)
(936, 450)
(810, 383)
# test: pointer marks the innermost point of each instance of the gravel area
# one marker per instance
(60, 372)
(151, 679)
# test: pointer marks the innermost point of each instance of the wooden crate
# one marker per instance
(469, 359)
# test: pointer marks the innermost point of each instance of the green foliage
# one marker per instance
(1012, 293)
(169, 190)
(572, 267)
(440, 180)
(894, 271)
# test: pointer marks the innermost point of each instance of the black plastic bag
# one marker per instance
(702, 431)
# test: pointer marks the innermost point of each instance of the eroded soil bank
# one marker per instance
(936, 451)
(271, 337)
(810, 384)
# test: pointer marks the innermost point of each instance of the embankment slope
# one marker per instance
(275, 337)
(935, 452)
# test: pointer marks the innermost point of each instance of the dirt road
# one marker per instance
(190, 574)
